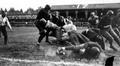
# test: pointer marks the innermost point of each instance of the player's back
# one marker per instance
(1, 19)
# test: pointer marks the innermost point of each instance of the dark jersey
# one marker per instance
(106, 20)
(43, 14)
(90, 34)
(93, 20)
(77, 38)
(116, 21)
(58, 20)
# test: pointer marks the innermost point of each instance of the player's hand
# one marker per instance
(11, 29)
(43, 20)
(107, 26)
(61, 51)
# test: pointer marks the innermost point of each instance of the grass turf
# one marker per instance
(21, 45)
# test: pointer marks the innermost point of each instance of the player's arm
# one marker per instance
(97, 21)
(107, 26)
(77, 47)
(8, 24)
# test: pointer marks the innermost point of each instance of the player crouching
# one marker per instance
(89, 51)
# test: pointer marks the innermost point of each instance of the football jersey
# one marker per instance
(1, 20)
(69, 27)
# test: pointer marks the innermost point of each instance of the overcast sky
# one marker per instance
(24, 4)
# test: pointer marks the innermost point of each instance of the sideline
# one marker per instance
(52, 62)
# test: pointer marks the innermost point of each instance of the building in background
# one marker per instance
(81, 12)
(78, 12)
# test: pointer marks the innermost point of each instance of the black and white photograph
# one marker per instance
(59, 33)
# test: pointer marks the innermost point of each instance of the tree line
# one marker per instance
(13, 11)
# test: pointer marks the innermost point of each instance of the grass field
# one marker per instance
(21, 46)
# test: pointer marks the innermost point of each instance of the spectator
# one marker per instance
(3, 23)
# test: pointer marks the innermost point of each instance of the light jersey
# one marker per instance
(3, 20)
(50, 25)
(69, 27)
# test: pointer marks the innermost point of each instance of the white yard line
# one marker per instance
(51, 62)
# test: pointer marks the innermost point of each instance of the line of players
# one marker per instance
(107, 27)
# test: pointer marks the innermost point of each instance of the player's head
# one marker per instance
(92, 13)
(61, 51)
(110, 12)
(2, 13)
(118, 12)
(56, 13)
(47, 7)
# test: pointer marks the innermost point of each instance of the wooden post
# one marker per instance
(67, 13)
(76, 14)
(86, 14)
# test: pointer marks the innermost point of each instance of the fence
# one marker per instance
(20, 24)
(31, 23)
(81, 24)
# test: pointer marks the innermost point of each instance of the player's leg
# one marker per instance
(47, 37)
(4, 31)
(100, 41)
(0, 32)
(42, 35)
(115, 36)
(108, 37)
(117, 31)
